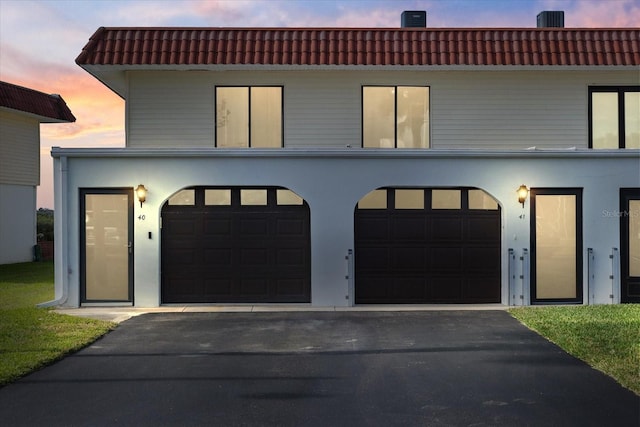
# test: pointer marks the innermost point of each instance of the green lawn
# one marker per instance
(32, 337)
(607, 337)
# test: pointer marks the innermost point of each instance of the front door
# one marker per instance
(106, 233)
(630, 244)
(556, 245)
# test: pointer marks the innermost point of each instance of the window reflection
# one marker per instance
(249, 117)
(395, 117)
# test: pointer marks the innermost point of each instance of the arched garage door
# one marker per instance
(225, 245)
(427, 246)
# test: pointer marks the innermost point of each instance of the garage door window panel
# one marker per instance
(376, 199)
(217, 197)
(480, 200)
(446, 199)
(288, 198)
(253, 197)
(409, 199)
(183, 198)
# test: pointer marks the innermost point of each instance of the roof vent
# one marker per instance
(551, 18)
(414, 19)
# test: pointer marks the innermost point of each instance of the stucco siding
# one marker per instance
(19, 149)
(332, 182)
(17, 223)
(322, 109)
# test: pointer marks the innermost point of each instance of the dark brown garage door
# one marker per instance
(235, 245)
(427, 246)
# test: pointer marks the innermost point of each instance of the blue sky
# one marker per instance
(39, 41)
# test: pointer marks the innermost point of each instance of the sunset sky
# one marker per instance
(39, 41)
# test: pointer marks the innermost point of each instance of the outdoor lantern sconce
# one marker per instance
(523, 192)
(141, 192)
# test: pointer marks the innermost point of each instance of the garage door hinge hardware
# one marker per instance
(611, 276)
(521, 258)
(522, 276)
(611, 296)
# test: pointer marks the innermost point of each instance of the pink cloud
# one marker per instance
(96, 108)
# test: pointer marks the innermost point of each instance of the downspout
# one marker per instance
(61, 252)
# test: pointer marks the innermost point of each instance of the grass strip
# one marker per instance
(32, 337)
(607, 337)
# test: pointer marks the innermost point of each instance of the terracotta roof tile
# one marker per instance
(325, 46)
(34, 102)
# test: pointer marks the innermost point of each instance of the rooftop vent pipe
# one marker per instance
(414, 19)
(551, 18)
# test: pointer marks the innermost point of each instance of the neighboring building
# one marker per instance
(341, 166)
(21, 112)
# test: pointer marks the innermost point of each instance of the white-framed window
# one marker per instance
(249, 116)
(395, 117)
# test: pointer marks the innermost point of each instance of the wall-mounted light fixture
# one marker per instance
(141, 192)
(523, 193)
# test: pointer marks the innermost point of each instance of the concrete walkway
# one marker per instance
(120, 314)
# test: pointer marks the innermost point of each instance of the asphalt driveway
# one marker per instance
(449, 368)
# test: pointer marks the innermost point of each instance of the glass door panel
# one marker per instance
(634, 238)
(630, 245)
(107, 247)
(556, 245)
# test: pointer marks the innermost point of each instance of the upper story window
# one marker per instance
(614, 117)
(249, 116)
(395, 116)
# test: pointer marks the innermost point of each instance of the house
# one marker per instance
(21, 112)
(342, 166)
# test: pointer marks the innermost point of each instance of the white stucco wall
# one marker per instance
(17, 223)
(332, 182)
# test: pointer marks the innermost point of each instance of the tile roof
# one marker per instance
(34, 102)
(359, 46)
